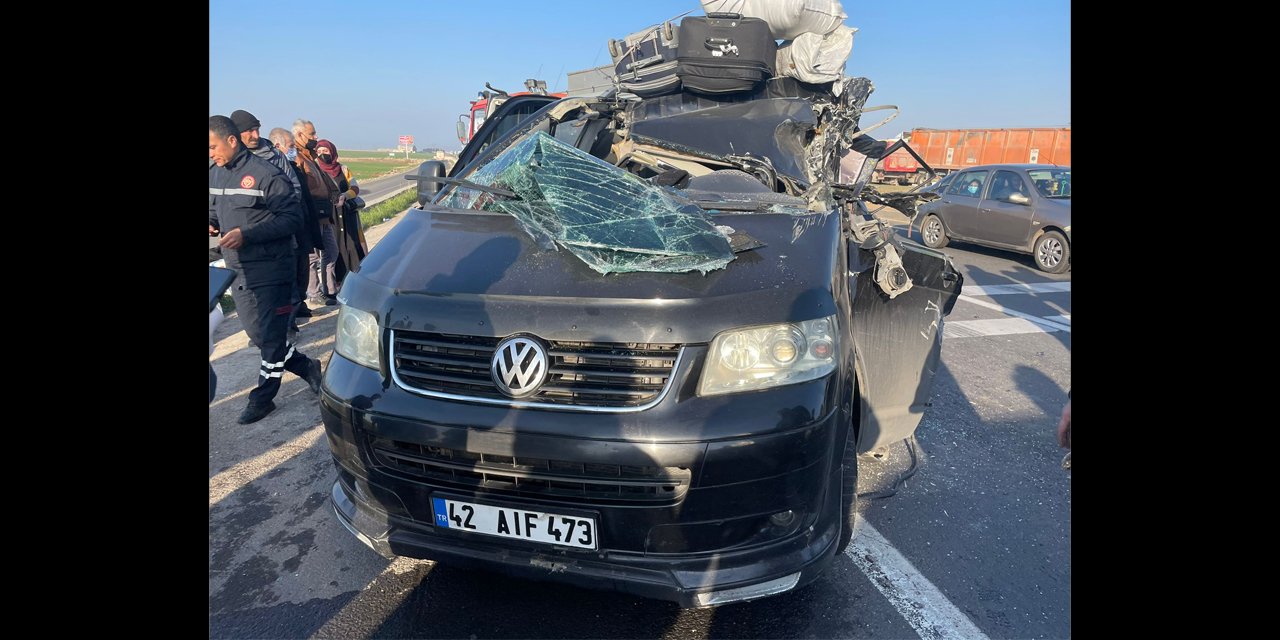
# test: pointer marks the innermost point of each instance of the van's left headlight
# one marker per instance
(357, 338)
(769, 356)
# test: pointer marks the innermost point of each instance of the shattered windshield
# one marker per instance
(611, 219)
(1052, 183)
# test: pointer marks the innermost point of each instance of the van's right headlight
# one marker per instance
(766, 356)
(357, 338)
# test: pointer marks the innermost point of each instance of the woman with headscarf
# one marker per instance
(350, 233)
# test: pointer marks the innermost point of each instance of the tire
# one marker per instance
(1051, 253)
(848, 492)
(933, 233)
(668, 31)
(614, 51)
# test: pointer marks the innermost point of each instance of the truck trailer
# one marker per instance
(947, 150)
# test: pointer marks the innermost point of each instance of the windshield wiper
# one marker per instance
(732, 205)
(497, 191)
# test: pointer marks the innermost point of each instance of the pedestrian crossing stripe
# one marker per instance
(1017, 322)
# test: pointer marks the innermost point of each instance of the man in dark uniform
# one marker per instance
(253, 205)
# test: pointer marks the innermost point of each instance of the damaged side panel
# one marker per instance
(892, 337)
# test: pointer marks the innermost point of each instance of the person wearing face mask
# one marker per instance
(973, 188)
(327, 198)
(350, 235)
(308, 238)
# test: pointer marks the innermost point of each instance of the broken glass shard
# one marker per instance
(613, 220)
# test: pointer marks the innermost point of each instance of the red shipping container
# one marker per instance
(951, 149)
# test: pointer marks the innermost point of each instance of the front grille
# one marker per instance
(581, 374)
(538, 477)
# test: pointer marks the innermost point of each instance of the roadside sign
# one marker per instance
(406, 140)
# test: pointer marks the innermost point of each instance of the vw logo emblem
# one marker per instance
(519, 367)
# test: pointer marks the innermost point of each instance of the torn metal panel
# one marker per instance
(906, 202)
(659, 160)
(613, 220)
(897, 343)
(567, 105)
(837, 127)
(778, 129)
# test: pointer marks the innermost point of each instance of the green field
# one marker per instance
(343, 155)
(388, 209)
(373, 164)
(367, 168)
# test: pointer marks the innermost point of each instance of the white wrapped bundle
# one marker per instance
(787, 18)
(816, 58)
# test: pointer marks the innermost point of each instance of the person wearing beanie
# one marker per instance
(253, 207)
(249, 127)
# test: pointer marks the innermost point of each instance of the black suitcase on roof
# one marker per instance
(724, 53)
(645, 61)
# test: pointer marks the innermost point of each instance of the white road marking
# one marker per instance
(1060, 319)
(916, 599)
(992, 327)
(384, 593)
(241, 474)
(1009, 289)
(1017, 314)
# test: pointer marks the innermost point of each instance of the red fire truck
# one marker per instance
(899, 167)
(488, 101)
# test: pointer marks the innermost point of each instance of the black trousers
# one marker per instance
(303, 265)
(266, 313)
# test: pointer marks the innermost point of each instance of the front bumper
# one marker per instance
(691, 582)
(707, 542)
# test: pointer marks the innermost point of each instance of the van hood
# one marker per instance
(479, 273)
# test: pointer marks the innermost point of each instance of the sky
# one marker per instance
(366, 72)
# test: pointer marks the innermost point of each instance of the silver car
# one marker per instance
(1020, 207)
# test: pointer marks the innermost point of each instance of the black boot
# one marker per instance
(255, 412)
(314, 375)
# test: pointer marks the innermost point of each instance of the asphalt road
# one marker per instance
(376, 189)
(976, 543)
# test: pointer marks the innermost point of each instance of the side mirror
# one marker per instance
(1018, 198)
(427, 190)
(462, 130)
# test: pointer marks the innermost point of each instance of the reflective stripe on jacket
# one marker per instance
(254, 196)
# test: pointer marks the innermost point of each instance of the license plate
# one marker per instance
(520, 524)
